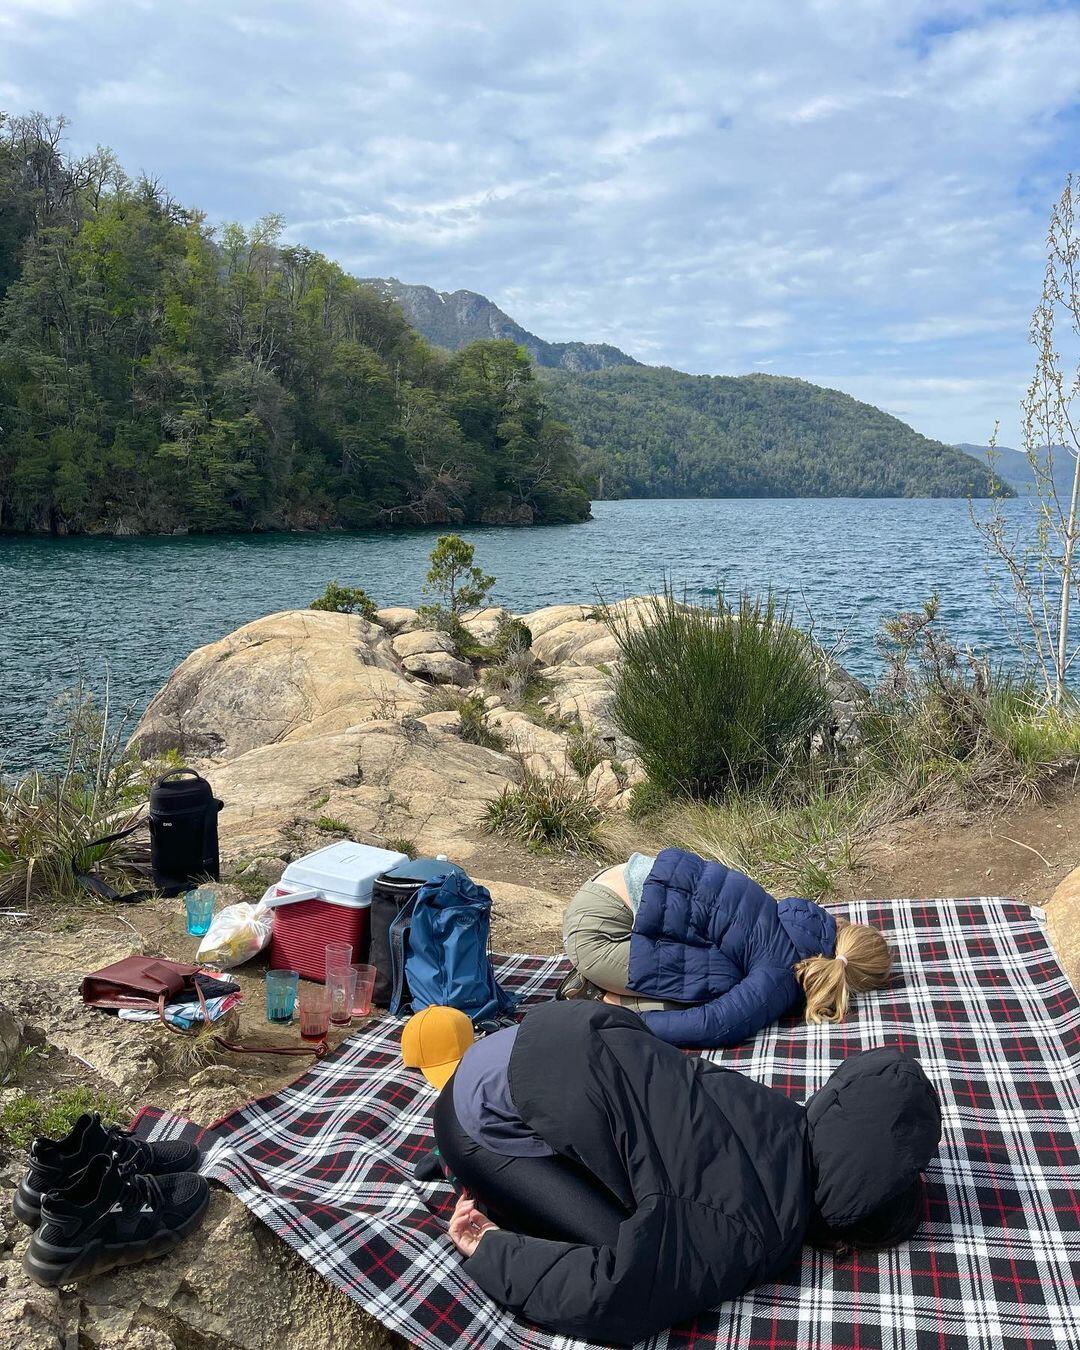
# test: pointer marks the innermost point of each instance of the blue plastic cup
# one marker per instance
(200, 910)
(281, 995)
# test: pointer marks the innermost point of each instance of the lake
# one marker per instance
(78, 608)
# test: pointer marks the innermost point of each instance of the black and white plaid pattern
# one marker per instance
(978, 996)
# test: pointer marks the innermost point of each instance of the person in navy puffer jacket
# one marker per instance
(706, 956)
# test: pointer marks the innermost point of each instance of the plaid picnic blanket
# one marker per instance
(979, 997)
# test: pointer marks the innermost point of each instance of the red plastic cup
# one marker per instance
(314, 1006)
(365, 987)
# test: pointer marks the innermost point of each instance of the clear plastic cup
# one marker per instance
(281, 986)
(314, 1004)
(200, 910)
(341, 984)
(338, 957)
(365, 987)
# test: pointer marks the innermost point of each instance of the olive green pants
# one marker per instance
(596, 936)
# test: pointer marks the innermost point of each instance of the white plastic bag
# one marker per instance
(236, 934)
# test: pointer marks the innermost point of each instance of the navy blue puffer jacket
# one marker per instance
(708, 936)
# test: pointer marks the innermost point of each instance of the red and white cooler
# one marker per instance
(321, 898)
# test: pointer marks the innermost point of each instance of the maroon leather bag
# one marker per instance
(151, 982)
(139, 982)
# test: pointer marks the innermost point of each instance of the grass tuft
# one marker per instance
(546, 813)
(53, 1115)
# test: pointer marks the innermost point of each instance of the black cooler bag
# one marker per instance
(392, 895)
(183, 831)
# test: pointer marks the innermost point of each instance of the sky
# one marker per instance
(854, 192)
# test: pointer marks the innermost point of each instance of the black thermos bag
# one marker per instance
(183, 831)
(391, 893)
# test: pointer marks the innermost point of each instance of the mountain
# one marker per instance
(654, 432)
(455, 318)
(1014, 467)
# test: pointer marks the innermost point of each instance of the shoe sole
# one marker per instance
(25, 1210)
(101, 1257)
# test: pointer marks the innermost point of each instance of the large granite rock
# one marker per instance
(295, 675)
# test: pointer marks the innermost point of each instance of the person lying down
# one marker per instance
(613, 1186)
(706, 955)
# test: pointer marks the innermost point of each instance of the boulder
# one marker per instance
(484, 624)
(397, 619)
(603, 784)
(421, 641)
(294, 675)
(542, 750)
(1063, 925)
(11, 1039)
(382, 779)
(439, 668)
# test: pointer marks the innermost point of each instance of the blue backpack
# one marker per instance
(447, 961)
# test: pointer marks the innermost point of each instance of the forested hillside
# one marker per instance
(158, 375)
(654, 432)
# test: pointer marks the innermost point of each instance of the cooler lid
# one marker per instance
(345, 868)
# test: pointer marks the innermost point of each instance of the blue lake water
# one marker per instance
(76, 608)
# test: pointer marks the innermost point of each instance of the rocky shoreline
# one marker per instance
(307, 723)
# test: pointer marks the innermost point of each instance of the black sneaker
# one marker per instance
(112, 1217)
(575, 985)
(56, 1163)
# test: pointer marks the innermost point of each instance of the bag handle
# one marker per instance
(180, 773)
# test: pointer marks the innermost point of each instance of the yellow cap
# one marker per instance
(434, 1040)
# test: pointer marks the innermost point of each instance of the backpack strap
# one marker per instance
(398, 934)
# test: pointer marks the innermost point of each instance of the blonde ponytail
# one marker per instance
(862, 961)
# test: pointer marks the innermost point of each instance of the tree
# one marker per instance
(1041, 567)
(453, 577)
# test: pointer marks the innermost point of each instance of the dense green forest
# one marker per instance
(654, 432)
(157, 375)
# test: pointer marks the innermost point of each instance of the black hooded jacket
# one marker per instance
(719, 1174)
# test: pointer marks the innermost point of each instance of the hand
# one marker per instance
(468, 1226)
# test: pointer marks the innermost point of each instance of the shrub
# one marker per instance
(583, 750)
(945, 725)
(513, 675)
(712, 697)
(28, 1116)
(546, 812)
(472, 716)
(346, 600)
(48, 821)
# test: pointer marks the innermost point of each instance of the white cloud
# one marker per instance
(854, 194)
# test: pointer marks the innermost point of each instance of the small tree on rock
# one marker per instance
(452, 577)
(346, 600)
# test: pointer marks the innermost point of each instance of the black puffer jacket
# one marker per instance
(716, 1169)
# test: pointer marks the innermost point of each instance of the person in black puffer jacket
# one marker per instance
(696, 1182)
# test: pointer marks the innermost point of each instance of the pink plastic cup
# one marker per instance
(338, 957)
(314, 1012)
(341, 984)
(365, 987)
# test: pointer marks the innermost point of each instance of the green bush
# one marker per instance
(48, 821)
(474, 727)
(346, 600)
(583, 750)
(712, 697)
(546, 813)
